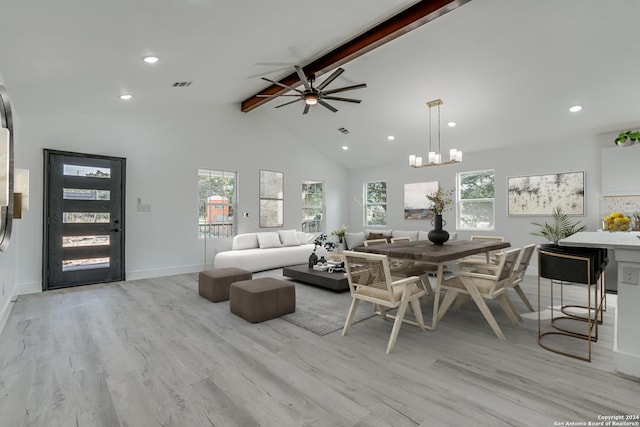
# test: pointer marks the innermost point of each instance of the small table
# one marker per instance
(336, 281)
(424, 250)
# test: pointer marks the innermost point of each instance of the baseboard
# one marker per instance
(161, 272)
(626, 364)
(29, 288)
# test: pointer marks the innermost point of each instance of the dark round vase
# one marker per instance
(438, 236)
(313, 259)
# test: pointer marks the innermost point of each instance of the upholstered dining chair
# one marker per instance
(370, 280)
(490, 284)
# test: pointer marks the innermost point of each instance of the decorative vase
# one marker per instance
(438, 236)
(313, 259)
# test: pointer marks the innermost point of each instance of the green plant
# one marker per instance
(323, 240)
(339, 232)
(559, 228)
(634, 136)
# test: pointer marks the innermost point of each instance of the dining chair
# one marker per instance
(489, 256)
(400, 239)
(370, 280)
(490, 284)
(406, 268)
(373, 242)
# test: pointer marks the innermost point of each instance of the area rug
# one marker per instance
(319, 310)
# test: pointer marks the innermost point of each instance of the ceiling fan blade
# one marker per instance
(306, 108)
(303, 78)
(331, 78)
(275, 96)
(287, 103)
(337, 98)
(282, 85)
(328, 106)
(342, 89)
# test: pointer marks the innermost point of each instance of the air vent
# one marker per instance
(344, 130)
(181, 84)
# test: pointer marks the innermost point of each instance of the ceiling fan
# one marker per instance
(315, 95)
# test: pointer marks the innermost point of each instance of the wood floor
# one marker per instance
(153, 353)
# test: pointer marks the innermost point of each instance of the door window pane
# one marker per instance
(74, 241)
(217, 203)
(85, 264)
(85, 194)
(312, 206)
(88, 171)
(86, 217)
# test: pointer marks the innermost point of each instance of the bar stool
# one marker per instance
(562, 265)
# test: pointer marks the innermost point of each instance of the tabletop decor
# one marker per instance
(442, 200)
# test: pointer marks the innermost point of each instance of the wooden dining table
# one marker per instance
(426, 251)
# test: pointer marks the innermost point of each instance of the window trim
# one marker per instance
(366, 204)
(323, 206)
(231, 203)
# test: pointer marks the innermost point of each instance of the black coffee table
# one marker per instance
(336, 281)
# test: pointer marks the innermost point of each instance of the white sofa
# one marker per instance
(268, 250)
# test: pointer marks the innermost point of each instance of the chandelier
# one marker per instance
(435, 159)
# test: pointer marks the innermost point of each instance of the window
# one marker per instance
(217, 198)
(312, 206)
(375, 200)
(271, 199)
(476, 200)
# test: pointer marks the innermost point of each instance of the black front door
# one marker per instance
(84, 219)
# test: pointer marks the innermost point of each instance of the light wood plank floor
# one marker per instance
(153, 353)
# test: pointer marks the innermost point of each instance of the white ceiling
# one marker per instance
(507, 70)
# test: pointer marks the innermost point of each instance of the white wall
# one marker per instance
(581, 154)
(164, 149)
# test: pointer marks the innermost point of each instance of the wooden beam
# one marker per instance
(405, 21)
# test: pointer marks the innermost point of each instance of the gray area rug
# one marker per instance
(319, 310)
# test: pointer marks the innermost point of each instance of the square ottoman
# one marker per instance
(214, 284)
(262, 299)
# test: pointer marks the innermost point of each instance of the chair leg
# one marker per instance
(482, 305)
(398, 322)
(464, 298)
(509, 309)
(426, 285)
(523, 297)
(417, 312)
(352, 312)
(449, 297)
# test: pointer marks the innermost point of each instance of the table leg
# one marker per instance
(436, 298)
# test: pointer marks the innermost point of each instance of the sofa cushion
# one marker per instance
(353, 240)
(245, 241)
(412, 235)
(269, 240)
(423, 235)
(288, 237)
(304, 238)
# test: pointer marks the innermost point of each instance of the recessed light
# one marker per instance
(126, 97)
(150, 59)
(452, 124)
(345, 147)
(391, 137)
(575, 108)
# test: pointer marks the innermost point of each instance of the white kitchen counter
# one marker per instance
(626, 250)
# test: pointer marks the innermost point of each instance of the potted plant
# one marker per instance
(559, 227)
(321, 240)
(628, 137)
(442, 200)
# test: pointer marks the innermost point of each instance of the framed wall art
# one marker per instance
(416, 204)
(541, 194)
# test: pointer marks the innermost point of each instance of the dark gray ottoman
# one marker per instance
(262, 299)
(214, 284)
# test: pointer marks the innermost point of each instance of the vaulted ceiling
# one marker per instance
(507, 70)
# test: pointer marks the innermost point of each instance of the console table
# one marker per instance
(626, 250)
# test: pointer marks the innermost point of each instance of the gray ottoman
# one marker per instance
(214, 284)
(262, 299)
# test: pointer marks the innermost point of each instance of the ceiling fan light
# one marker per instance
(311, 99)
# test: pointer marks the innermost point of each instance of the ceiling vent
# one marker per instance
(344, 130)
(181, 84)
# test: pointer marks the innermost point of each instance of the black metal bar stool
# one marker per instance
(562, 264)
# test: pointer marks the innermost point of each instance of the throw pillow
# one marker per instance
(374, 236)
(245, 241)
(289, 237)
(269, 240)
(353, 240)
